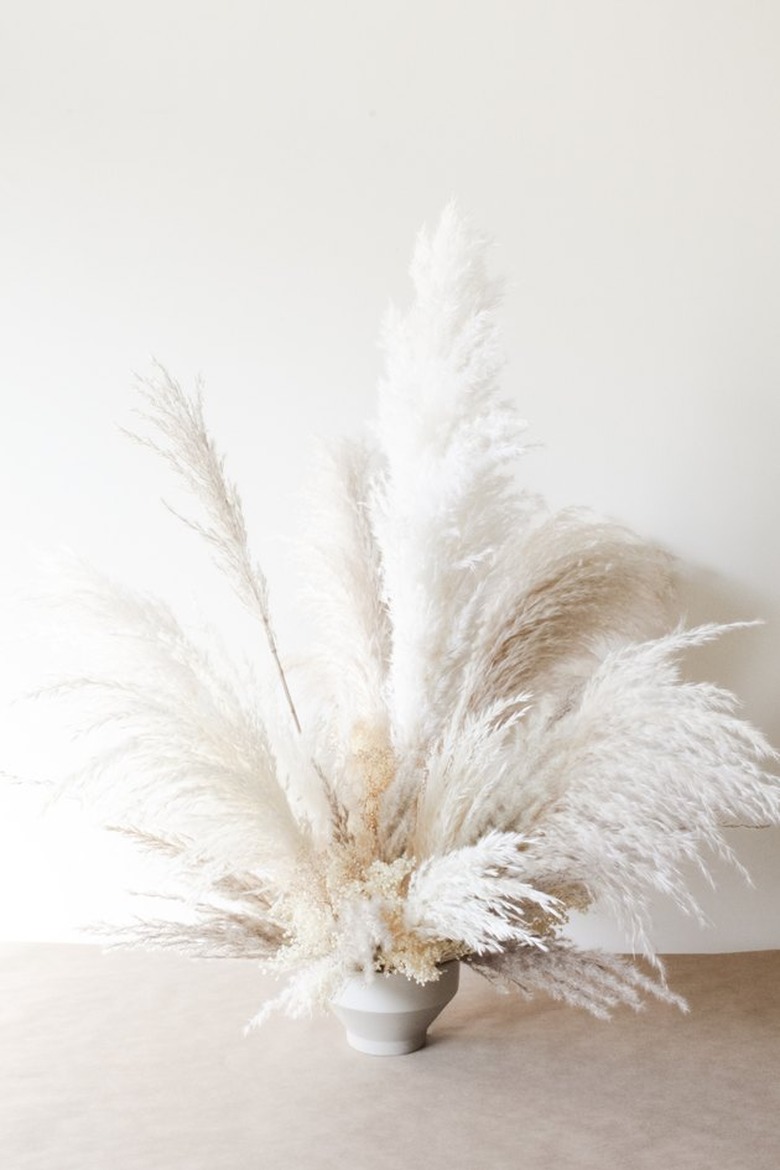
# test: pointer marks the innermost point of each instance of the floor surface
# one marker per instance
(138, 1062)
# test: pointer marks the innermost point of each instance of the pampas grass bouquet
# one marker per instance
(490, 729)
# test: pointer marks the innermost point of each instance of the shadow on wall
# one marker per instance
(739, 658)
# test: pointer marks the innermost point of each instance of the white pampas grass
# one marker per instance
(477, 894)
(645, 770)
(447, 499)
(586, 979)
(185, 443)
(349, 655)
(497, 732)
(179, 742)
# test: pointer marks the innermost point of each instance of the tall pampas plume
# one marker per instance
(497, 728)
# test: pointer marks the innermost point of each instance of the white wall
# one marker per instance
(235, 188)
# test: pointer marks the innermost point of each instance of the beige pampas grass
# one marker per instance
(499, 731)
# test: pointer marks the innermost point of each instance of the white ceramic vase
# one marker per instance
(389, 1015)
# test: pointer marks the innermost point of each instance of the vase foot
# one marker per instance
(386, 1047)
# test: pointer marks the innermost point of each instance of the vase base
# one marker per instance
(386, 1047)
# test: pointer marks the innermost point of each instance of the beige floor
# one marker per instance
(138, 1062)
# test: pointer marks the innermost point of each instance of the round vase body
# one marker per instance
(390, 1014)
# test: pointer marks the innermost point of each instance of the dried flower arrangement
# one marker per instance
(499, 728)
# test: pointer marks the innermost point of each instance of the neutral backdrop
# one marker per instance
(234, 189)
